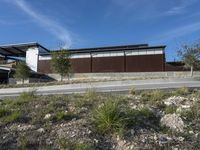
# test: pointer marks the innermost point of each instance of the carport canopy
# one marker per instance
(18, 50)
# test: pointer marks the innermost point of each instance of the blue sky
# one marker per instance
(92, 23)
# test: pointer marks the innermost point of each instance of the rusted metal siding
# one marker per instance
(81, 65)
(44, 66)
(108, 64)
(139, 63)
(144, 63)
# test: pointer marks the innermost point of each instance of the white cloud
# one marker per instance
(180, 8)
(53, 27)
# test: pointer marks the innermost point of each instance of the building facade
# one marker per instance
(128, 58)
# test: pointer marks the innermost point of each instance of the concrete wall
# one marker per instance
(136, 75)
(32, 58)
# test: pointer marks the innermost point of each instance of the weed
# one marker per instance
(23, 143)
(4, 112)
(13, 117)
(152, 96)
(83, 146)
(108, 117)
(132, 91)
(142, 118)
(24, 98)
(59, 116)
(170, 109)
(181, 91)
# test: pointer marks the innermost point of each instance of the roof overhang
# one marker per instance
(18, 50)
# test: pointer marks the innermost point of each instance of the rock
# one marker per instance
(24, 127)
(47, 116)
(163, 139)
(41, 130)
(173, 121)
(174, 100)
(181, 139)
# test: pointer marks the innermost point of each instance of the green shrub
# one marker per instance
(13, 117)
(152, 96)
(23, 143)
(87, 100)
(181, 91)
(67, 144)
(143, 118)
(192, 114)
(24, 98)
(108, 118)
(83, 146)
(4, 112)
(59, 116)
(132, 91)
(170, 109)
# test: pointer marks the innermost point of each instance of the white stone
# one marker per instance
(41, 130)
(173, 121)
(47, 116)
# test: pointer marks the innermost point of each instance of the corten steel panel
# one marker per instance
(145, 63)
(108, 64)
(81, 65)
(44, 66)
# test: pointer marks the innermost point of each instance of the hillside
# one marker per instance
(139, 120)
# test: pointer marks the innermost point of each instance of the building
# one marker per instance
(127, 58)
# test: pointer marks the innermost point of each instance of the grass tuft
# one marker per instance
(108, 118)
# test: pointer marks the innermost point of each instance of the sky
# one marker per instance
(95, 23)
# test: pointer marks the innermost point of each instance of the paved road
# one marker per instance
(109, 86)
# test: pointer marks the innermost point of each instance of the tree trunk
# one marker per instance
(191, 71)
(22, 81)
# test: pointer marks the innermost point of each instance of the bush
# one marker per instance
(132, 91)
(59, 116)
(87, 100)
(67, 144)
(108, 117)
(4, 112)
(13, 117)
(181, 91)
(24, 98)
(143, 118)
(152, 96)
(170, 109)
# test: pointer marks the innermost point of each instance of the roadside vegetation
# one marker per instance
(139, 120)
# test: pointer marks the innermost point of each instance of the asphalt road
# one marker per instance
(109, 86)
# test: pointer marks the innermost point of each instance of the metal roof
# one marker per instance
(111, 48)
(18, 50)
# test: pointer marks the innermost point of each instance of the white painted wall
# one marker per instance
(32, 58)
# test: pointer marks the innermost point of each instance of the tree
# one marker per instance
(60, 63)
(22, 71)
(190, 55)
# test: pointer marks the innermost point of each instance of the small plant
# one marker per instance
(24, 98)
(170, 109)
(13, 117)
(152, 96)
(23, 143)
(132, 91)
(4, 112)
(66, 144)
(87, 100)
(181, 91)
(59, 116)
(83, 146)
(141, 118)
(108, 117)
